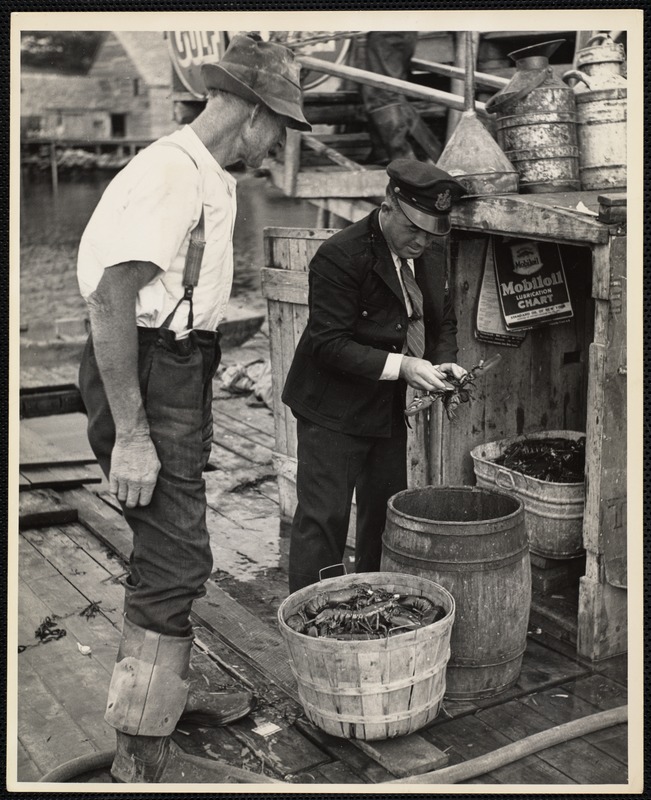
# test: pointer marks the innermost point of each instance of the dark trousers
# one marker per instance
(330, 466)
(171, 558)
(387, 53)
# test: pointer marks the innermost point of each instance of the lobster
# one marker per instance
(455, 393)
(362, 612)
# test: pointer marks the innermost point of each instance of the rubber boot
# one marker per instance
(404, 133)
(212, 706)
(157, 759)
(151, 666)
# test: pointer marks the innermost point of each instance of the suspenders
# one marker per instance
(193, 257)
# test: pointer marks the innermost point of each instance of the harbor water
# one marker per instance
(51, 224)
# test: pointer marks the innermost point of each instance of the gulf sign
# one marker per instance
(189, 50)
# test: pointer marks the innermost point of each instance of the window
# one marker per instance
(118, 125)
(136, 87)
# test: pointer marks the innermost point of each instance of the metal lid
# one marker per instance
(536, 55)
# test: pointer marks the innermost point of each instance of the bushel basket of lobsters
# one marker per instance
(369, 652)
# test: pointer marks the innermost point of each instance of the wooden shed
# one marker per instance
(569, 376)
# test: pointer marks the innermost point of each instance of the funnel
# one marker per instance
(536, 55)
(471, 155)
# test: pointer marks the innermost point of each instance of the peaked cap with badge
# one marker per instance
(260, 72)
(425, 193)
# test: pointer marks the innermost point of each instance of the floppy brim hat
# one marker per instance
(424, 193)
(260, 72)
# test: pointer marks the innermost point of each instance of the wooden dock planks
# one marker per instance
(68, 567)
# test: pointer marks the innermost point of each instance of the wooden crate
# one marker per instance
(570, 375)
(288, 252)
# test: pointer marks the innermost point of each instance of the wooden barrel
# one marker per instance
(376, 688)
(473, 542)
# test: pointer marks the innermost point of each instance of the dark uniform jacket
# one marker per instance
(357, 315)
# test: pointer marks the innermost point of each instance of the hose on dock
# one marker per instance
(77, 766)
(520, 749)
(455, 774)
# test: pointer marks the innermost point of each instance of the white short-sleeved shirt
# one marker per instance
(147, 213)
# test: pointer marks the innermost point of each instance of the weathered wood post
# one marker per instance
(54, 169)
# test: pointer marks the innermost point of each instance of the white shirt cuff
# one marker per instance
(391, 371)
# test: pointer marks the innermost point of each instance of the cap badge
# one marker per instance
(443, 200)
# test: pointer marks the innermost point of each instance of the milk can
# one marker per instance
(536, 123)
(600, 93)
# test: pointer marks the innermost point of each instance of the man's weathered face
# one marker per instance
(264, 133)
(403, 237)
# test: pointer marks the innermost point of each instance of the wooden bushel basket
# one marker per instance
(376, 688)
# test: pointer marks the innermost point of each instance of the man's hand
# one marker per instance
(453, 369)
(134, 470)
(421, 374)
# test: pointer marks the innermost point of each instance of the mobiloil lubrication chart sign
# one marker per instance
(531, 283)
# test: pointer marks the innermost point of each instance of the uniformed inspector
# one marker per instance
(380, 319)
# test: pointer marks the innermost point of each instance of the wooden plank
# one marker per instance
(603, 608)
(52, 595)
(561, 705)
(601, 271)
(276, 702)
(599, 691)
(469, 737)
(614, 668)
(577, 759)
(259, 418)
(228, 437)
(82, 572)
(542, 667)
(529, 217)
(613, 485)
(43, 507)
(102, 521)
(60, 477)
(277, 376)
(288, 347)
(406, 755)
(345, 751)
(384, 82)
(335, 772)
(284, 286)
(351, 209)
(38, 451)
(248, 427)
(46, 731)
(26, 769)
(234, 504)
(313, 234)
(246, 633)
(42, 400)
(481, 78)
(34, 451)
(217, 743)
(292, 161)
(333, 182)
(221, 458)
(66, 432)
(77, 682)
(323, 149)
(286, 752)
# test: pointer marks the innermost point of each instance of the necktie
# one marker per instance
(416, 328)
